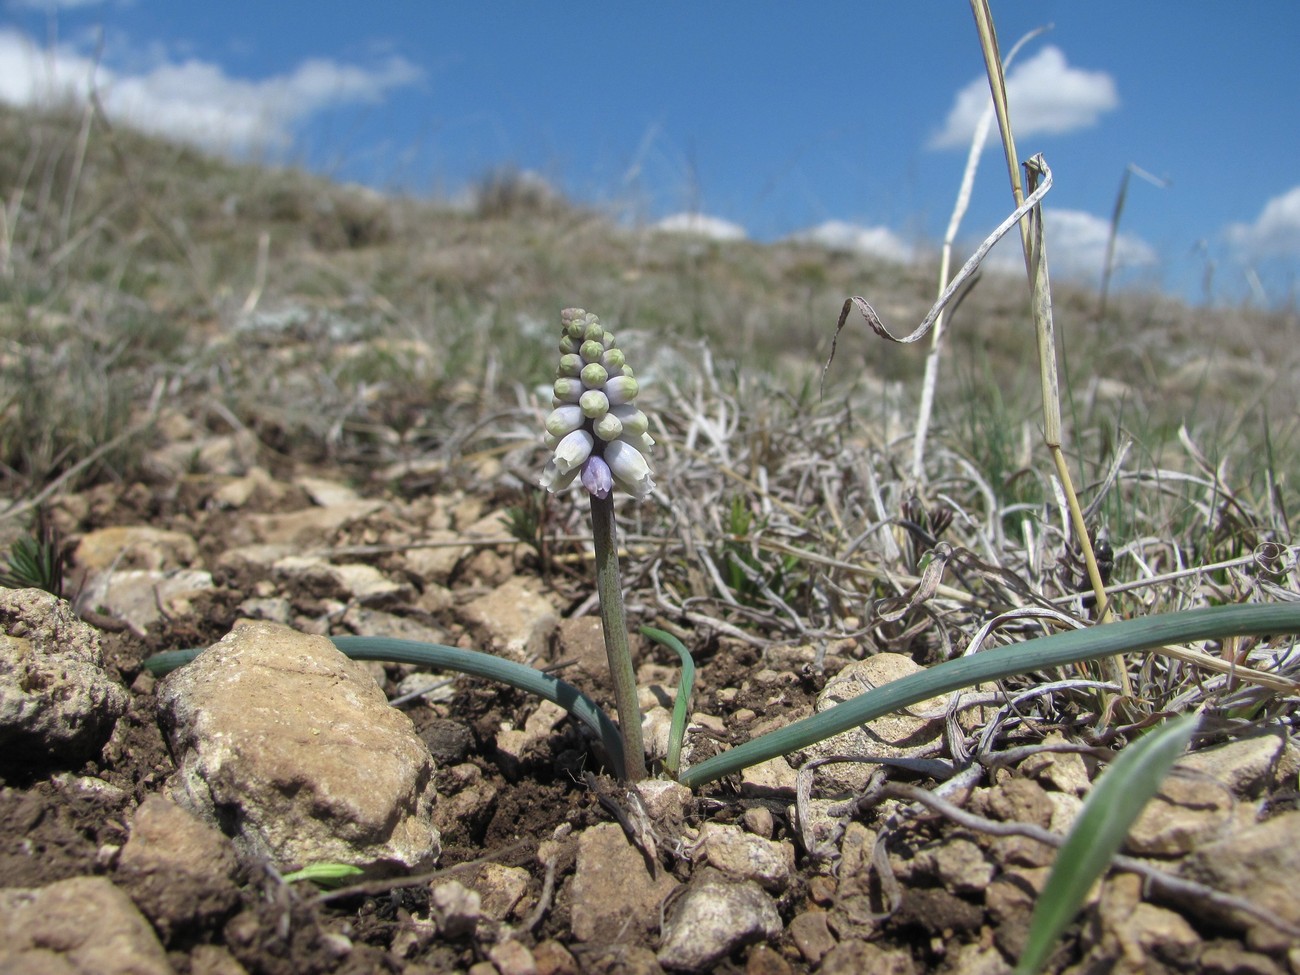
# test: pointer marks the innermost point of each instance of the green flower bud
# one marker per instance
(568, 390)
(571, 365)
(634, 421)
(591, 351)
(609, 427)
(593, 375)
(594, 330)
(613, 360)
(568, 345)
(594, 404)
(564, 420)
(621, 389)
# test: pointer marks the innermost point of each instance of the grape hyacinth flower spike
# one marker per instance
(598, 437)
(595, 430)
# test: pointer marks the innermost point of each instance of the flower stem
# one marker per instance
(617, 648)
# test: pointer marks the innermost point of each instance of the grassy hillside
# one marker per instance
(140, 279)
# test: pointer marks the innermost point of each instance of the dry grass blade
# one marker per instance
(1034, 245)
(954, 287)
(929, 383)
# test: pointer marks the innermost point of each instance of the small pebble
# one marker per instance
(758, 820)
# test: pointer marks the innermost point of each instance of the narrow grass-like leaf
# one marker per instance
(1057, 650)
(440, 657)
(1112, 806)
(682, 703)
(328, 875)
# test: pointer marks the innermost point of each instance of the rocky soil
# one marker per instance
(150, 825)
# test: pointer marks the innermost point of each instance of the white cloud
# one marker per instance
(876, 241)
(700, 225)
(194, 100)
(1275, 231)
(1076, 247)
(1045, 95)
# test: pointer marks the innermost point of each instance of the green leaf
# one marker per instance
(325, 874)
(1058, 650)
(681, 704)
(1111, 808)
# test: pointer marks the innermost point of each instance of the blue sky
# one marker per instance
(845, 120)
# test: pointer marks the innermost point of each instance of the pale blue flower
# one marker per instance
(630, 469)
(596, 477)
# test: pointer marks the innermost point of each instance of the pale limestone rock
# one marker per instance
(904, 734)
(326, 493)
(292, 748)
(773, 779)
(583, 640)
(435, 556)
(470, 801)
(1258, 863)
(57, 700)
(613, 893)
(456, 909)
(178, 870)
(512, 958)
(82, 926)
(656, 730)
(306, 528)
(142, 596)
(237, 492)
(811, 935)
(214, 960)
(860, 957)
(135, 547)
(1065, 810)
(714, 917)
(1013, 893)
(552, 958)
(956, 863)
(228, 454)
(514, 620)
(758, 820)
(1187, 811)
(377, 622)
(744, 856)
(1061, 771)
(274, 609)
(422, 680)
(512, 742)
(501, 888)
(974, 958)
(350, 581)
(366, 584)
(493, 525)
(1132, 929)
(1246, 766)
(254, 559)
(664, 800)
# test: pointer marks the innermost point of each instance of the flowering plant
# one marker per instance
(597, 434)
